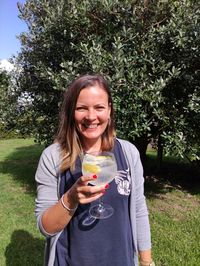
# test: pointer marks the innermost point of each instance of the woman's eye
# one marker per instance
(80, 108)
(100, 107)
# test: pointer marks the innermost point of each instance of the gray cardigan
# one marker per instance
(48, 179)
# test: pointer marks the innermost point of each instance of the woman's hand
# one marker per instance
(57, 217)
(81, 193)
(145, 258)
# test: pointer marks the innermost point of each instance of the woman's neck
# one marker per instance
(92, 146)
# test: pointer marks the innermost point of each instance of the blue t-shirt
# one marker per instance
(104, 242)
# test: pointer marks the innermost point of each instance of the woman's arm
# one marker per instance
(145, 257)
(58, 216)
(51, 215)
(138, 207)
(142, 219)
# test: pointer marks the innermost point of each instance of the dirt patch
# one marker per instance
(172, 200)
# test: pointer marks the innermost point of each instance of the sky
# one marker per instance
(10, 26)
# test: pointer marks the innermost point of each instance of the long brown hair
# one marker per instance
(67, 135)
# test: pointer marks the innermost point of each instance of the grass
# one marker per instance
(173, 198)
(20, 242)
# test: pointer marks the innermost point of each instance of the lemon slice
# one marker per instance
(91, 168)
(102, 157)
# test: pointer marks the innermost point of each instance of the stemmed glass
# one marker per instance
(102, 164)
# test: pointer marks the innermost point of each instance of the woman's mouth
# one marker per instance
(91, 126)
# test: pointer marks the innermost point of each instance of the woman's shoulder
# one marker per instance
(52, 149)
(127, 145)
(130, 151)
(48, 169)
(51, 154)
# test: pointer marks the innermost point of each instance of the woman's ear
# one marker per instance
(109, 106)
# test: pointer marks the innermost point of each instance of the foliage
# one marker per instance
(4, 84)
(10, 114)
(5, 106)
(148, 50)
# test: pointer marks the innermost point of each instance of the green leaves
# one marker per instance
(148, 52)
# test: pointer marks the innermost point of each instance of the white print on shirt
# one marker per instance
(123, 181)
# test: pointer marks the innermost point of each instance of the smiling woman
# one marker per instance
(66, 194)
(86, 113)
(92, 115)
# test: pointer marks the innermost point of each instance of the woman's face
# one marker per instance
(92, 114)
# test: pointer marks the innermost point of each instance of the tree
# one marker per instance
(4, 100)
(149, 51)
(4, 83)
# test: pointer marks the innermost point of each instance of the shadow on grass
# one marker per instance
(22, 165)
(24, 250)
(174, 174)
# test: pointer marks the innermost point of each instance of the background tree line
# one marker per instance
(148, 50)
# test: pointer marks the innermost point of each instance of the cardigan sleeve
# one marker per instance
(138, 208)
(47, 178)
(142, 219)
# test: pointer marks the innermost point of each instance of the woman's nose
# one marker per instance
(91, 114)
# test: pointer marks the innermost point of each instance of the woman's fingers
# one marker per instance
(91, 189)
(82, 193)
(91, 198)
(84, 180)
(87, 194)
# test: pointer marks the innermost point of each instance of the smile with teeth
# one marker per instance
(91, 126)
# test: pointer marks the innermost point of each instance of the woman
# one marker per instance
(64, 196)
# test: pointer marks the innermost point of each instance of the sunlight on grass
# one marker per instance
(173, 198)
(174, 209)
(20, 241)
(174, 218)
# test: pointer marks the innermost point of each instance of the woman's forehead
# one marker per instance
(93, 92)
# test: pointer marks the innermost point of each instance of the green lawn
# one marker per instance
(173, 206)
(20, 242)
(173, 198)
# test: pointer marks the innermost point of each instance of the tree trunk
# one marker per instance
(160, 153)
(141, 144)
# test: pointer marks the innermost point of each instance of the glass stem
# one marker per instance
(101, 207)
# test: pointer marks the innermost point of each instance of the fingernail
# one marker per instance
(107, 186)
(94, 176)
